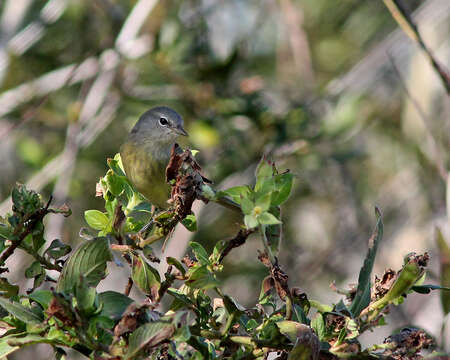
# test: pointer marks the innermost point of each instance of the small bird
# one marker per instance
(146, 152)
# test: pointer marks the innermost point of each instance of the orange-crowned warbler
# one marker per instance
(146, 152)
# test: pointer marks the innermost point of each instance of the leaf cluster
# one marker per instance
(186, 314)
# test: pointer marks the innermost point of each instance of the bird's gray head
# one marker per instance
(159, 124)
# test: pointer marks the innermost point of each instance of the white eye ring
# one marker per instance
(163, 121)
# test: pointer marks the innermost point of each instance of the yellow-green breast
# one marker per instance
(145, 166)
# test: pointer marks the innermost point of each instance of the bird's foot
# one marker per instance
(145, 231)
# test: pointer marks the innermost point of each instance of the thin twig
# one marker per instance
(408, 25)
(92, 103)
(262, 231)
(47, 264)
(128, 287)
(30, 114)
(235, 242)
(167, 283)
(301, 56)
(437, 155)
(365, 75)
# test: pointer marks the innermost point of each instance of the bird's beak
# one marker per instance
(180, 131)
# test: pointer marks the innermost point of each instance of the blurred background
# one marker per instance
(318, 84)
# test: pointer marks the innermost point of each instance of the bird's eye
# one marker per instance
(163, 121)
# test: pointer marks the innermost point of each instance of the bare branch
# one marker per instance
(438, 160)
(408, 25)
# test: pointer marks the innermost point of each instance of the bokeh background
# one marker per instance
(318, 84)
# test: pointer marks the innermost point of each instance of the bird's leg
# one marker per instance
(146, 229)
(144, 232)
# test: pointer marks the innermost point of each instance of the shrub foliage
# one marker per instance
(199, 320)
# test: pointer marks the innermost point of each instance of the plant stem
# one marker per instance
(244, 340)
(149, 240)
(288, 307)
(262, 230)
(48, 265)
(128, 287)
(229, 324)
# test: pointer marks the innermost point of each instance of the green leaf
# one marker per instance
(115, 183)
(114, 304)
(247, 205)
(267, 292)
(264, 171)
(116, 165)
(34, 270)
(42, 297)
(341, 309)
(21, 312)
(409, 275)
(145, 277)
(318, 324)
(143, 206)
(148, 336)
(283, 185)
(28, 340)
(38, 280)
(6, 349)
(58, 335)
(6, 289)
(25, 201)
(38, 236)
(57, 249)
(190, 222)
(88, 260)
(267, 218)
(251, 325)
(176, 263)
(181, 299)
(270, 330)
(290, 329)
(5, 231)
(203, 349)
(306, 349)
(200, 278)
(250, 221)
(96, 219)
(263, 201)
(200, 253)
(86, 297)
(217, 251)
(232, 305)
(110, 207)
(323, 308)
(221, 315)
(182, 334)
(235, 193)
(342, 335)
(362, 297)
(273, 232)
(299, 314)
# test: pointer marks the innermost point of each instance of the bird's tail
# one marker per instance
(228, 203)
(211, 195)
